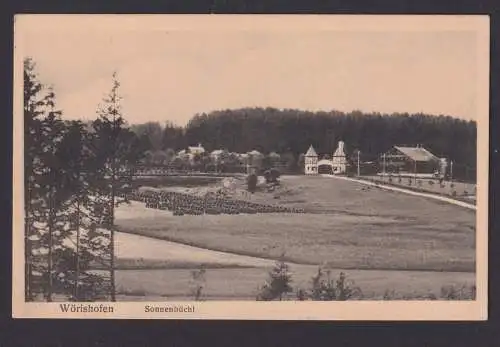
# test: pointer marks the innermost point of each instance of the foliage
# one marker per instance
(116, 154)
(252, 183)
(272, 176)
(278, 284)
(324, 288)
(197, 283)
(71, 172)
(290, 132)
(463, 292)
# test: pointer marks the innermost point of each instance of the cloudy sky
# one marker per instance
(173, 67)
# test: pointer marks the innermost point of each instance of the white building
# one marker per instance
(196, 149)
(339, 160)
(338, 163)
(311, 162)
(216, 155)
(191, 152)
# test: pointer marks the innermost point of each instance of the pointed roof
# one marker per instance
(339, 152)
(311, 152)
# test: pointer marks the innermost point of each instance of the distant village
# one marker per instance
(400, 160)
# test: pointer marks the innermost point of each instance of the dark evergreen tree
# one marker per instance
(117, 152)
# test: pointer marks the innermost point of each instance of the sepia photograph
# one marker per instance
(249, 166)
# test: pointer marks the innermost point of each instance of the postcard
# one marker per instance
(255, 167)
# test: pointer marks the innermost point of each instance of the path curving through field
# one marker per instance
(233, 283)
(406, 191)
(133, 246)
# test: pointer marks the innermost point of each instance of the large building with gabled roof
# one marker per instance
(408, 159)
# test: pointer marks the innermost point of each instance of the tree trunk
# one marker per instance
(49, 261)
(112, 234)
(77, 271)
(27, 246)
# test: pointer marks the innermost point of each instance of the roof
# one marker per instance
(417, 153)
(198, 148)
(311, 152)
(254, 152)
(339, 152)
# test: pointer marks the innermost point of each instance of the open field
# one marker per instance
(243, 284)
(349, 227)
(377, 236)
(460, 190)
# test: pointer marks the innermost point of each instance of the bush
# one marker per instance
(272, 176)
(324, 288)
(197, 283)
(463, 292)
(252, 183)
(454, 193)
(431, 182)
(278, 283)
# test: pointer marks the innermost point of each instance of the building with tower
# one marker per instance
(337, 165)
(311, 162)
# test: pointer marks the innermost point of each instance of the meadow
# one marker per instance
(385, 240)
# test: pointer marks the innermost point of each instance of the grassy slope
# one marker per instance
(349, 227)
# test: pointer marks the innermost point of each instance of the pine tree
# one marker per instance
(116, 154)
(44, 198)
(33, 111)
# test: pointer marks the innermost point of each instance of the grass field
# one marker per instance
(243, 284)
(459, 190)
(348, 227)
(377, 235)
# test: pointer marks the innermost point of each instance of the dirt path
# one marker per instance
(410, 192)
(136, 246)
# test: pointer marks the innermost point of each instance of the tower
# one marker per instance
(311, 162)
(339, 159)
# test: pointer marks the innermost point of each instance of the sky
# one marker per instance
(171, 68)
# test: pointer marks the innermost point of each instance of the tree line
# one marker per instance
(76, 174)
(290, 132)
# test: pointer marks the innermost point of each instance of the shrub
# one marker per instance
(389, 294)
(252, 183)
(272, 176)
(409, 181)
(454, 193)
(464, 292)
(301, 295)
(466, 192)
(324, 288)
(278, 283)
(197, 283)
(431, 182)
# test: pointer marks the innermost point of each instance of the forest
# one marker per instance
(290, 132)
(76, 174)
